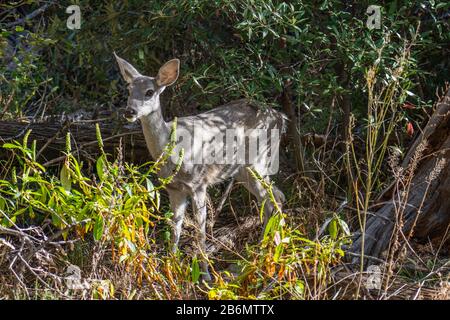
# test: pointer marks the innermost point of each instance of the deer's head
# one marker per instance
(144, 91)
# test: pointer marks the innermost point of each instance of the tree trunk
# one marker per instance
(426, 215)
(295, 139)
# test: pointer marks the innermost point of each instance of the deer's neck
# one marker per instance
(156, 132)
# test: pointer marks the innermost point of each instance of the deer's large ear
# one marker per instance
(168, 73)
(127, 70)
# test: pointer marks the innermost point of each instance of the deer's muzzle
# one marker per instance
(130, 114)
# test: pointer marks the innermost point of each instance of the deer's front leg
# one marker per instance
(199, 204)
(178, 203)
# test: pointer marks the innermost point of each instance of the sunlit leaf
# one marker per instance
(195, 270)
(100, 166)
(333, 229)
(98, 228)
(65, 178)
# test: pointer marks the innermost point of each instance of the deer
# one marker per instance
(193, 178)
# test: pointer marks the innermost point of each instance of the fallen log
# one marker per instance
(51, 139)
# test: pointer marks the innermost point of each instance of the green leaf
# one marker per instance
(100, 166)
(261, 210)
(56, 219)
(195, 270)
(98, 228)
(11, 146)
(332, 229)
(269, 226)
(65, 179)
(2, 203)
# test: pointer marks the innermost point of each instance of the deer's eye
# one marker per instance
(149, 93)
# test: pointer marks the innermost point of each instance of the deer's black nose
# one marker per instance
(130, 113)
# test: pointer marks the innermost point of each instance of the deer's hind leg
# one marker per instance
(255, 187)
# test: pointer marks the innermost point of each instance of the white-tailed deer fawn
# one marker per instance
(234, 124)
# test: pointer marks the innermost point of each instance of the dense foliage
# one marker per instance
(368, 87)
